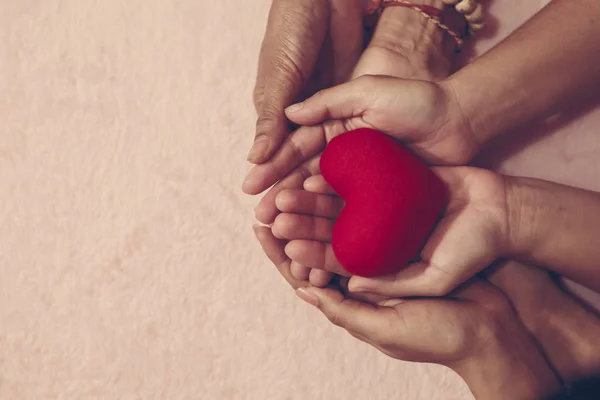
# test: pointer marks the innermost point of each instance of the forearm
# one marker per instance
(576, 331)
(555, 226)
(546, 64)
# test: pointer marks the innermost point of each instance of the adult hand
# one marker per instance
(474, 331)
(308, 45)
(566, 332)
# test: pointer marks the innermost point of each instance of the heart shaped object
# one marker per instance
(392, 201)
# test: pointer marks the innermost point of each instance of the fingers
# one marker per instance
(318, 184)
(304, 202)
(320, 278)
(299, 147)
(299, 271)
(274, 249)
(359, 319)
(315, 254)
(428, 278)
(413, 280)
(296, 226)
(295, 33)
(266, 210)
(344, 101)
(388, 54)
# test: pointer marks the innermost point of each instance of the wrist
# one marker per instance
(428, 49)
(524, 209)
(511, 367)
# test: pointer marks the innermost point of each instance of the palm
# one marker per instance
(429, 330)
(434, 330)
(470, 222)
(443, 334)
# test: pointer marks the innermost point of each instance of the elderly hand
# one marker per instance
(308, 45)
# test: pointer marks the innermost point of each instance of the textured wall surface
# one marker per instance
(129, 269)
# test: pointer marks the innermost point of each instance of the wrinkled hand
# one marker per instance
(471, 234)
(308, 45)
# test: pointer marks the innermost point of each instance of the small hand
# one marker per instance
(424, 115)
(470, 235)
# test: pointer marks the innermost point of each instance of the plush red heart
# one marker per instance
(392, 201)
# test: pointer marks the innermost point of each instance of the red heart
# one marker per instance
(392, 201)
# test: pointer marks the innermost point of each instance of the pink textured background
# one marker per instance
(129, 269)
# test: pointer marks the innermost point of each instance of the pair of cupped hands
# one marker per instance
(440, 308)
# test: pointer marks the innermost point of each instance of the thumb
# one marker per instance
(344, 101)
(359, 319)
(418, 279)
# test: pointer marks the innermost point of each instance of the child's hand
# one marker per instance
(472, 233)
(423, 115)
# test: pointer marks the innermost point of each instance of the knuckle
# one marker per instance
(269, 118)
(258, 96)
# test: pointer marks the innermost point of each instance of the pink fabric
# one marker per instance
(129, 269)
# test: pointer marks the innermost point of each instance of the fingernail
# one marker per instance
(358, 285)
(308, 297)
(259, 148)
(294, 108)
(249, 184)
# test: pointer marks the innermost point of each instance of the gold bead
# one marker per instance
(477, 26)
(466, 6)
(476, 15)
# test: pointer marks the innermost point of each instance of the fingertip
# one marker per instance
(312, 183)
(264, 215)
(284, 200)
(320, 278)
(299, 271)
(291, 250)
(356, 285)
(251, 185)
(294, 108)
(261, 150)
(317, 184)
(257, 231)
(308, 295)
(277, 228)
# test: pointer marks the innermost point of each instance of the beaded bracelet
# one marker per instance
(431, 13)
(472, 10)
